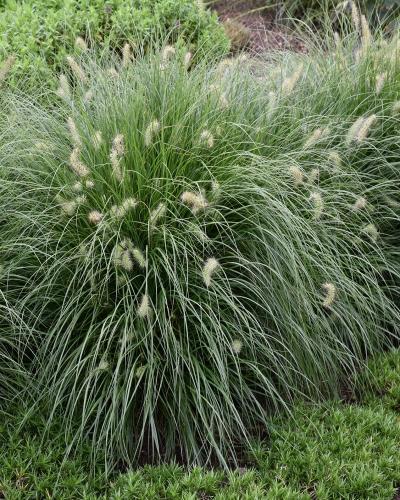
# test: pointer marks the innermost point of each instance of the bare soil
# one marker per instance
(266, 33)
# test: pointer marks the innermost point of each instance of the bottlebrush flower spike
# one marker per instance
(396, 107)
(353, 130)
(355, 16)
(126, 55)
(64, 91)
(318, 203)
(195, 201)
(365, 33)
(69, 207)
(95, 217)
(152, 130)
(157, 214)
(117, 151)
(313, 176)
(187, 60)
(335, 158)
(139, 257)
(211, 266)
(289, 83)
(297, 175)
(76, 165)
(77, 69)
(380, 82)
(207, 139)
(364, 129)
(237, 346)
(73, 130)
(97, 140)
(81, 44)
(314, 138)
(360, 203)
(372, 231)
(5, 68)
(330, 294)
(144, 309)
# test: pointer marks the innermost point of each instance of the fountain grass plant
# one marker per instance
(194, 248)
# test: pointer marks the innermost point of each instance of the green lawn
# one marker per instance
(331, 451)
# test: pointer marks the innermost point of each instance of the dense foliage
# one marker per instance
(41, 34)
(184, 265)
(332, 451)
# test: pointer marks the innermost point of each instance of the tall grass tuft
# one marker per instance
(186, 268)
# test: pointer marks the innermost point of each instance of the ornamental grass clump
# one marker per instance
(184, 268)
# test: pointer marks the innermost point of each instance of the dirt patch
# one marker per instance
(265, 33)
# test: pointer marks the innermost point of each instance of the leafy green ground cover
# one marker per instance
(337, 450)
(41, 34)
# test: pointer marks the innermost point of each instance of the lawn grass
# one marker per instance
(325, 451)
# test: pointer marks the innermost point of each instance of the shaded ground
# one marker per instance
(257, 28)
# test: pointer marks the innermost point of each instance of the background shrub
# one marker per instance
(189, 265)
(41, 34)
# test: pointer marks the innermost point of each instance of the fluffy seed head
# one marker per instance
(187, 59)
(289, 83)
(126, 55)
(129, 203)
(335, 158)
(118, 144)
(97, 140)
(69, 207)
(76, 165)
(380, 82)
(330, 294)
(353, 130)
(126, 261)
(355, 16)
(360, 203)
(95, 217)
(88, 96)
(215, 190)
(313, 176)
(77, 187)
(77, 70)
(117, 211)
(144, 309)
(89, 184)
(73, 130)
(210, 268)
(64, 90)
(116, 153)
(81, 44)
(314, 138)
(5, 68)
(112, 73)
(364, 129)
(318, 203)
(157, 214)
(151, 131)
(140, 259)
(365, 33)
(372, 231)
(396, 107)
(297, 175)
(103, 365)
(198, 232)
(237, 346)
(195, 201)
(80, 199)
(207, 139)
